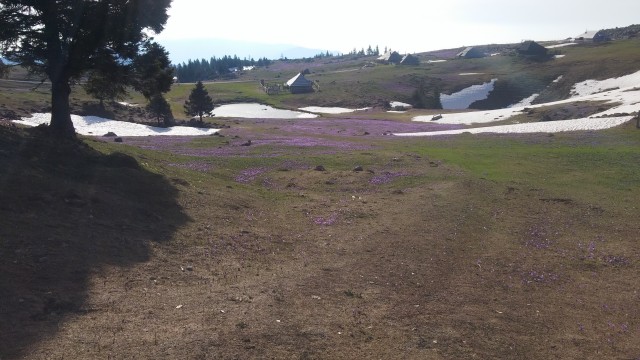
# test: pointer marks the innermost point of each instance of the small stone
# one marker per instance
(358, 168)
(320, 168)
(118, 140)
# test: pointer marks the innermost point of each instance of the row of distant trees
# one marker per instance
(214, 68)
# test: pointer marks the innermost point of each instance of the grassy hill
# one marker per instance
(325, 239)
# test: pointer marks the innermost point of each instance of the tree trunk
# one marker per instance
(61, 124)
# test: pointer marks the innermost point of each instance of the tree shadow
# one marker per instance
(66, 211)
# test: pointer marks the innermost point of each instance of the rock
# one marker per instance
(248, 143)
(320, 168)
(437, 117)
(118, 140)
(110, 134)
(358, 168)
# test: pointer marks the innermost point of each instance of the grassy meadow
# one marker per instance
(326, 239)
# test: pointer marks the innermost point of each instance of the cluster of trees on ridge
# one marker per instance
(106, 44)
(215, 68)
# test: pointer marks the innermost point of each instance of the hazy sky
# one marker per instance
(406, 26)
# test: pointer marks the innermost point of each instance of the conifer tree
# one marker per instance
(65, 39)
(199, 101)
(160, 109)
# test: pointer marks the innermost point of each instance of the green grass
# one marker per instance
(562, 164)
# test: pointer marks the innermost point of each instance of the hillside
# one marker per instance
(326, 237)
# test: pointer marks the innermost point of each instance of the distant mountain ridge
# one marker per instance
(182, 50)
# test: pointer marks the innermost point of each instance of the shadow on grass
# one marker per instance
(66, 211)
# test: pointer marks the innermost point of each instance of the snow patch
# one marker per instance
(546, 127)
(400, 105)
(463, 99)
(97, 126)
(560, 45)
(622, 92)
(258, 111)
(330, 110)
(526, 101)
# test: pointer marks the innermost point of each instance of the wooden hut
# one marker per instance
(391, 57)
(532, 48)
(470, 53)
(299, 84)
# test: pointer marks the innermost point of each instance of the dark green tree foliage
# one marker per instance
(215, 68)
(426, 97)
(153, 73)
(64, 39)
(4, 69)
(160, 109)
(108, 81)
(199, 101)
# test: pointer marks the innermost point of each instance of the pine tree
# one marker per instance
(160, 109)
(153, 71)
(65, 39)
(199, 101)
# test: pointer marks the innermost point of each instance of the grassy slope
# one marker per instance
(477, 246)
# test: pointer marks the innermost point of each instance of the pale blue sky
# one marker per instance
(406, 26)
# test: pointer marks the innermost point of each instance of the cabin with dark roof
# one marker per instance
(299, 84)
(532, 49)
(391, 57)
(410, 60)
(471, 53)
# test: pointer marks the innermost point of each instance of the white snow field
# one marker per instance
(97, 126)
(330, 110)
(622, 92)
(258, 111)
(560, 45)
(464, 98)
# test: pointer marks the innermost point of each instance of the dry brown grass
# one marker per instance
(428, 261)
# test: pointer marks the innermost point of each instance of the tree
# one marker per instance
(160, 109)
(426, 97)
(64, 39)
(153, 73)
(199, 101)
(4, 69)
(108, 81)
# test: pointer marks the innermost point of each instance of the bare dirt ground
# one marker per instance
(253, 252)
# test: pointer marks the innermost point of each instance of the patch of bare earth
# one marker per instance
(425, 262)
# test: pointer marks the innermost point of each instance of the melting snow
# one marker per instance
(621, 92)
(526, 101)
(464, 98)
(97, 126)
(330, 110)
(124, 103)
(560, 45)
(549, 126)
(258, 111)
(398, 104)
